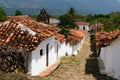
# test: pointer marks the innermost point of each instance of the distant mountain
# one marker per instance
(58, 7)
(27, 11)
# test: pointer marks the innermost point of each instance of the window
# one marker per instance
(41, 52)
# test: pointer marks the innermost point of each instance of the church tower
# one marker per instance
(43, 16)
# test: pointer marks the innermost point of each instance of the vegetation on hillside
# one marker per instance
(110, 21)
(17, 13)
(3, 15)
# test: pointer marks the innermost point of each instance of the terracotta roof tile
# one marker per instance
(60, 37)
(82, 23)
(104, 39)
(75, 36)
(1, 23)
(24, 32)
(41, 29)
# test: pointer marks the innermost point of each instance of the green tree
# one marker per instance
(68, 20)
(76, 16)
(89, 18)
(72, 11)
(17, 13)
(3, 15)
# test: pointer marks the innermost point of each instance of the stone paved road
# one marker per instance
(79, 67)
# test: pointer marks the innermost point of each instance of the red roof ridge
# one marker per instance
(74, 36)
(104, 39)
(60, 37)
(82, 23)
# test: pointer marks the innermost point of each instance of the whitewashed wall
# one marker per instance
(111, 57)
(61, 48)
(81, 27)
(38, 63)
(68, 48)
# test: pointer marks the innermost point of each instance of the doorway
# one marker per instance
(57, 51)
(83, 27)
(47, 54)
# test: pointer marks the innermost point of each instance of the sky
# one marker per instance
(91, 6)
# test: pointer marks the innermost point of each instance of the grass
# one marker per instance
(69, 61)
(13, 76)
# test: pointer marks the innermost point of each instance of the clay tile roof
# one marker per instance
(24, 32)
(104, 39)
(74, 36)
(42, 29)
(1, 23)
(60, 37)
(82, 23)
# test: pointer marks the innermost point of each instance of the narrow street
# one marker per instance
(79, 67)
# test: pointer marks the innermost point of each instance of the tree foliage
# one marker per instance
(72, 11)
(110, 21)
(17, 13)
(3, 15)
(67, 21)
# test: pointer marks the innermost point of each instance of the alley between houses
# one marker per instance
(83, 66)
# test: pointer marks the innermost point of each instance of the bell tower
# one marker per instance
(43, 16)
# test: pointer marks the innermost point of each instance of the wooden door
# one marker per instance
(47, 54)
(57, 51)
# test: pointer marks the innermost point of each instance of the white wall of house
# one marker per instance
(74, 49)
(77, 47)
(64, 48)
(54, 22)
(38, 63)
(111, 57)
(68, 49)
(82, 27)
(61, 48)
(80, 43)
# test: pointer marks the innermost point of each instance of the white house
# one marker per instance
(54, 21)
(83, 25)
(36, 38)
(71, 44)
(43, 56)
(109, 53)
(60, 45)
(74, 41)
